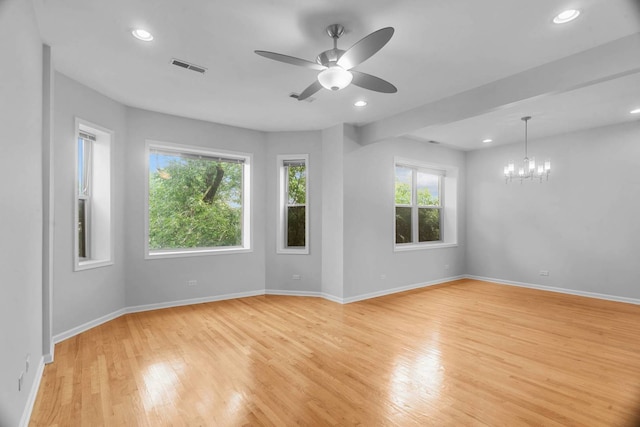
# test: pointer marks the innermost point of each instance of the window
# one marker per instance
(198, 201)
(293, 215)
(93, 230)
(423, 217)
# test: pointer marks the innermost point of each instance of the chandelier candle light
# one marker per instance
(528, 169)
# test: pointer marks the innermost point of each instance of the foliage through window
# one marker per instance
(197, 200)
(293, 229)
(418, 205)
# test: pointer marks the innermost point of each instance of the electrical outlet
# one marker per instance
(544, 272)
(192, 283)
(296, 277)
(27, 363)
(383, 276)
(20, 379)
(446, 266)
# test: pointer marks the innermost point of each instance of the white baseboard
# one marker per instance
(361, 297)
(399, 289)
(289, 293)
(86, 326)
(169, 304)
(332, 298)
(555, 289)
(33, 393)
(147, 307)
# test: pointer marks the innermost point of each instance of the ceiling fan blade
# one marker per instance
(310, 90)
(367, 81)
(365, 48)
(290, 60)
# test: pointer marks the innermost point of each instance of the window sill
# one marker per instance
(90, 264)
(193, 253)
(423, 246)
(304, 251)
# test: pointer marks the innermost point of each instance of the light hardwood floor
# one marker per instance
(465, 353)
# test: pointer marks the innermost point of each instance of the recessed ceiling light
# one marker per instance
(360, 103)
(636, 111)
(566, 16)
(488, 140)
(142, 34)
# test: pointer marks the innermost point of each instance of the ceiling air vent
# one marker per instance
(184, 64)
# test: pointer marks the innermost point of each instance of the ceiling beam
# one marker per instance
(603, 63)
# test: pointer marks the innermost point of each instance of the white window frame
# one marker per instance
(448, 205)
(247, 213)
(281, 237)
(100, 231)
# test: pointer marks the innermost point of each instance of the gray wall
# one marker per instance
(165, 280)
(369, 220)
(21, 75)
(281, 267)
(332, 276)
(582, 225)
(83, 296)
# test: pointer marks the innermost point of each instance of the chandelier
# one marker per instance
(528, 170)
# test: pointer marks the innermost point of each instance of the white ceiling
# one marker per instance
(440, 48)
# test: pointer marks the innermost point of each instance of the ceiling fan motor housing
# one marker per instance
(329, 57)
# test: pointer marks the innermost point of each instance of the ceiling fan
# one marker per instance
(336, 65)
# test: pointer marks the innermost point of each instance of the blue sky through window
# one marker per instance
(160, 161)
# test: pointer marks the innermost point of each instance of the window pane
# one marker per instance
(84, 166)
(297, 185)
(403, 185)
(296, 226)
(428, 224)
(194, 202)
(80, 166)
(403, 225)
(428, 189)
(82, 229)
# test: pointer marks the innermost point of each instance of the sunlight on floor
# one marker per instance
(161, 380)
(417, 377)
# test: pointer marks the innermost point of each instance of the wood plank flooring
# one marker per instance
(466, 353)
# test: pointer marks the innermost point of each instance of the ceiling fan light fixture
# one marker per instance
(335, 78)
